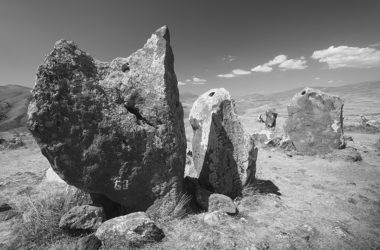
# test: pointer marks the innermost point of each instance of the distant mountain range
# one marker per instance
(13, 106)
(360, 99)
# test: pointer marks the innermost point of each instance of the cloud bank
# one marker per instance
(348, 57)
(195, 80)
(283, 64)
(235, 73)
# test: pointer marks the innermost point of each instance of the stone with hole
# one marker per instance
(315, 122)
(224, 155)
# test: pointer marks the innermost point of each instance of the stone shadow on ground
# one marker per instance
(265, 187)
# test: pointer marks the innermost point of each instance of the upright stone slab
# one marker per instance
(315, 122)
(224, 155)
(115, 128)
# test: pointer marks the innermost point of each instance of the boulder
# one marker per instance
(89, 242)
(132, 230)
(269, 118)
(224, 155)
(315, 122)
(113, 128)
(220, 202)
(85, 217)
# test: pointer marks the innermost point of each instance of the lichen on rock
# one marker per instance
(113, 129)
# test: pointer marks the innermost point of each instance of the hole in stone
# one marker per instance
(125, 67)
(303, 92)
(211, 94)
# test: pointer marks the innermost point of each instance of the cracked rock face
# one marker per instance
(315, 122)
(113, 128)
(224, 155)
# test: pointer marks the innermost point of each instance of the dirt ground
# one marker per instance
(306, 202)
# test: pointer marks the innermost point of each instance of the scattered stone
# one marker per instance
(113, 128)
(84, 217)
(269, 118)
(349, 154)
(315, 122)
(132, 230)
(224, 155)
(13, 143)
(220, 202)
(348, 138)
(89, 242)
(214, 218)
(287, 145)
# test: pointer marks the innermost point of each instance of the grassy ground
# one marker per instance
(323, 204)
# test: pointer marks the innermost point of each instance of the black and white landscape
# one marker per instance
(189, 125)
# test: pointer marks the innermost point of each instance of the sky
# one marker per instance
(244, 46)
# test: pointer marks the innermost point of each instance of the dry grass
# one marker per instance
(38, 228)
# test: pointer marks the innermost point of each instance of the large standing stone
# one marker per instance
(113, 128)
(315, 122)
(224, 155)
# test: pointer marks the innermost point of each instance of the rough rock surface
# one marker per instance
(215, 218)
(113, 128)
(269, 118)
(89, 242)
(84, 217)
(315, 122)
(220, 202)
(130, 230)
(224, 155)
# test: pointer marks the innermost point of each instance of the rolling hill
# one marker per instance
(13, 107)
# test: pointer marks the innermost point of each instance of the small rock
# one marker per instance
(84, 217)
(131, 230)
(214, 218)
(269, 118)
(89, 242)
(223, 203)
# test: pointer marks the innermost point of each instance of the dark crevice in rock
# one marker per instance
(139, 117)
(211, 94)
(125, 67)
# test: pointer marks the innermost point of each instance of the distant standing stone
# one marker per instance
(315, 122)
(224, 155)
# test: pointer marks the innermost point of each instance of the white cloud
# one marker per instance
(235, 73)
(229, 58)
(196, 79)
(283, 63)
(299, 63)
(188, 80)
(226, 75)
(330, 81)
(348, 57)
(181, 83)
(317, 78)
(277, 60)
(262, 68)
(241, 72)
